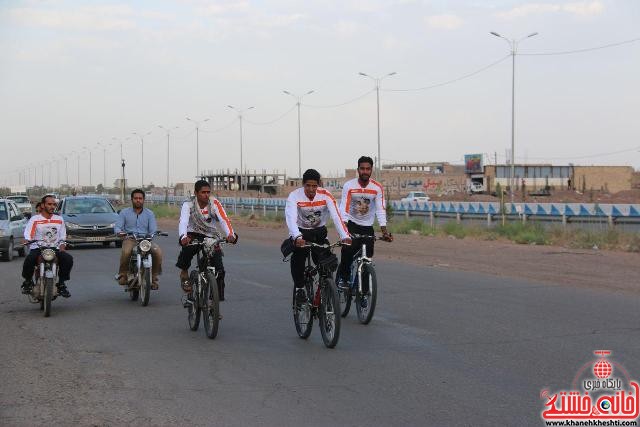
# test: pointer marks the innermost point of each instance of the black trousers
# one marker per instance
(65, 262)
(188, 252)
(299, 256)
(347, 253)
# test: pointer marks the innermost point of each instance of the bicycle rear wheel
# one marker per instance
(328, 317)
(302, 315)
(212, 307)
(366, 301)
(194, 309)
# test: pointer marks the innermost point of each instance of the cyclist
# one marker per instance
(198, 220)
(48, 227)
(306, 212)
(362, 201)
(138, 220)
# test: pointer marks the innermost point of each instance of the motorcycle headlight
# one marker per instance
(145, 246)
(72, 226)
(49, 255)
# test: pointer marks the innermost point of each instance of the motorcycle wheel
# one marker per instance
(48, 293)
(145, 286)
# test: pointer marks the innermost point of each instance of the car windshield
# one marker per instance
(3, 212)
(86, 206)
(419, 195)
(19, 199)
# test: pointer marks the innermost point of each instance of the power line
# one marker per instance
(357, 98)
(568, 52)
(280, 117)
(221, 128)
(465, 76)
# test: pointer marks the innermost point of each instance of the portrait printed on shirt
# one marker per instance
(360, 205)
(49, 234)
(310, 216)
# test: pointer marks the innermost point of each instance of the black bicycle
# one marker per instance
(321, 298)
(204, 295)
(362, 286)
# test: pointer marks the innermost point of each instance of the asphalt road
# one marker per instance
(444, 348)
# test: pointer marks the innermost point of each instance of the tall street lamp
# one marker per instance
(104, 162)
(168, 130)
(377, 81)
(513, 46)
(197, 143)
(240, 113)
(89, 151)
(298, 101)
(141, 136)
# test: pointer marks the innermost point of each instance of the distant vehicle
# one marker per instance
(475, 187)
(89, 219)
(12, 225)
(415, 196)
(23, 203)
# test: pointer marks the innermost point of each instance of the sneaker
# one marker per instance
(26, 287)
(184, 281)
(63, 291)
(122, 279)
(342, 284)
(301, 297)
(154, 284)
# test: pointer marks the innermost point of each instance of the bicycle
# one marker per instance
(362, 285)
(204, 294)
(321, 298)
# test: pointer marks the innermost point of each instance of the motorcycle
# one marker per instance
(45, 276)
(140, 263)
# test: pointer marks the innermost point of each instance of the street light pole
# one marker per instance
(240, 113)
(513, 46)
(298, 101)
(197, 144)
(168, 130)
(377, 81)
(141, 156)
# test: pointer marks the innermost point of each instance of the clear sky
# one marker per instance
(74, 74)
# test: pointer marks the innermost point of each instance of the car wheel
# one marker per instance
(8, 256)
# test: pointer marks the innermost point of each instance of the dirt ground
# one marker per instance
(596, 269)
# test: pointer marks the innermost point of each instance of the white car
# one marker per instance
(415, 196)
(23, 203)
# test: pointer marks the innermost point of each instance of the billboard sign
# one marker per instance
(473, 163)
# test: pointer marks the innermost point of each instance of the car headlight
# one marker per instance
(48, 255)
(112, 225)
(145, 246)
(72, 226)
(1, 232)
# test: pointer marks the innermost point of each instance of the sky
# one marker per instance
(81, 77)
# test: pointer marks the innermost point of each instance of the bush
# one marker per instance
(452, 228)
(165, 211)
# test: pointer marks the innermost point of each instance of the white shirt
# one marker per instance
(49, 230)
(305, 213)
(212, 214)
(362, 204)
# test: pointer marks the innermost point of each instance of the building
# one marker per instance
(537, 176)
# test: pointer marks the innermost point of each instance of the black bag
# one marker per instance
(287, 247)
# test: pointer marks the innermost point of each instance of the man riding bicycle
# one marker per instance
(306, 212)
(47, 227)
(142, 221)
(198, 220)
(362, 201)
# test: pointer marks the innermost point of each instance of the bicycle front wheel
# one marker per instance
(302, 316)
(211, 306)
(328, 313)
(194, 309)
(366, 300)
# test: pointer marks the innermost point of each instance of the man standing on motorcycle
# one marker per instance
(137, 220)
(198, 220)
(47, 227)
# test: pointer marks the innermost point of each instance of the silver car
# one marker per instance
(12, 224)
(89, 219)
(23, 203)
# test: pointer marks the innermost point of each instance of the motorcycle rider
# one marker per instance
(198, 219)
(47, 227)
(137, 220)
